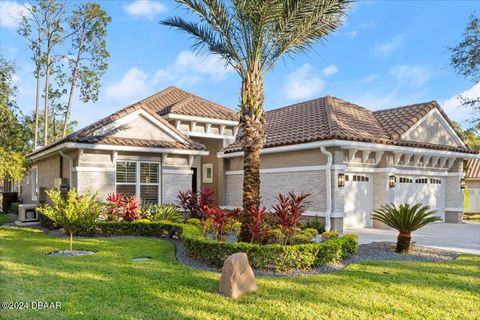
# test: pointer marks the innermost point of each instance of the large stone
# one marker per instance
(237, 276)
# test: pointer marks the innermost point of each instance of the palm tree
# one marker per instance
(405, 219)
(251, 36)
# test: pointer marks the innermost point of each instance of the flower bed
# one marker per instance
(275, 257)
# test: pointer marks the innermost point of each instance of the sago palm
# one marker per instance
(251, 36)
(405, 219)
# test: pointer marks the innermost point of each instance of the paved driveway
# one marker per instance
(458, 237)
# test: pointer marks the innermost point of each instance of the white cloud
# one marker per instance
(350, 34)
(11, 13)
(411, 75)
(368, 79)
(133, 84)
(386, 48)
(190, 68)
(303, 83)
(330, 70)
(145, 8)
(453, 106)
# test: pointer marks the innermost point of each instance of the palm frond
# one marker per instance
(405, 218)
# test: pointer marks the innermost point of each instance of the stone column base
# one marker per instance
(453, 217)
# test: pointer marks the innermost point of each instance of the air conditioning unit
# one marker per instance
(27, 213)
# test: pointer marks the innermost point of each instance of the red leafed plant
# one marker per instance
(194, 203)
(132, 209)
(258, 226)
(219, 219)
(288, 212)
(115, 207)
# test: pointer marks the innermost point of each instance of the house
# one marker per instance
(472, 180)
(350, 160)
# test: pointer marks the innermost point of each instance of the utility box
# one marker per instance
(27, 213)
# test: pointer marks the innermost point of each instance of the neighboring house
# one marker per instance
(472, 179)
(350, 160)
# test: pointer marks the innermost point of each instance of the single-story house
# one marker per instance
(472, 180)
(350, 160)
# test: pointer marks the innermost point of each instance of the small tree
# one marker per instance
(74, 213)
(405, 219)
(288, 212)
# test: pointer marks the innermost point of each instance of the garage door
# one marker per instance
(474, 206)
(358, 201)
(425, 190)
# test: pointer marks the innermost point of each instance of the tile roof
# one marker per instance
(329, 118)
(473, 169)
(170, 100)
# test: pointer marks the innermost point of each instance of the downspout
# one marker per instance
(328, 179)
(70, 164)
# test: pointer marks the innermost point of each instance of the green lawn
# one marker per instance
(109, 285)
(4, 219)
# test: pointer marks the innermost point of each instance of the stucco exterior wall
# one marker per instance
(431, 131)
(172, 183)
(473, 184)
(141, 128)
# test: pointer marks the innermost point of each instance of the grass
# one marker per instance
(109, 285)
(4, 219)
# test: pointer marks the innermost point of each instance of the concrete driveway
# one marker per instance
(458, 237)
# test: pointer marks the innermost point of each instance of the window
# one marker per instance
(139, 178)
(405, 180)
(357, 178)
(422, 180)
(207, 173)
(34, 183)
(435, 181)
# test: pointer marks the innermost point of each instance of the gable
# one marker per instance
(140, 125)
(141, 128)
(433, 128)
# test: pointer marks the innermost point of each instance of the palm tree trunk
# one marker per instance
(403, 242)
(252, 134)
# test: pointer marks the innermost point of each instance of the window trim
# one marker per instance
(205, 178)
(34, 189)
(138, 183)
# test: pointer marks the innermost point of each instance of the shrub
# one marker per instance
(405, 219)
(132, 209)
(14, 207)
(305, 236)
(327, 235)
(221, 221)
(158, 212)
(315, 224)
(74, 213)
(120, 207)
(195, 222)
(288, 213)
(194, 203)
(257, 225)
(274, 236)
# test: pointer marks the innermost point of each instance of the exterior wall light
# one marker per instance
(341, 180)
(463, 184)
(391, 181)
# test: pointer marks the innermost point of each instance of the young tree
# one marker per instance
(465, 59)
(252, 36)
(88, 24)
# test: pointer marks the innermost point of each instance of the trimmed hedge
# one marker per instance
(275, 257)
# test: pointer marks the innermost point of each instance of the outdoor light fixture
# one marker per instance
(391, 181)
(463, 185)
(341, 180)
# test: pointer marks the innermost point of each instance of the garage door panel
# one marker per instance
(358, 201)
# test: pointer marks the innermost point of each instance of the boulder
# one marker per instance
(237, 276)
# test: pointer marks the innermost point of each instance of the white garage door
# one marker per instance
(426, 190)
(474, 206)
(358, 201)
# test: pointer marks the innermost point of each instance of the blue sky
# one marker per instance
(388, 53)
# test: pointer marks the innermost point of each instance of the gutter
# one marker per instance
(328, 183)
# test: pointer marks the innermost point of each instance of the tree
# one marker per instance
(465, 59)
(251, 36)
(471, 136)
(89, 29)
(55, 125)
(405, 219)
(73, 213)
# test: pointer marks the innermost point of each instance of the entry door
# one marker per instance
(358, 201)
(194, 179)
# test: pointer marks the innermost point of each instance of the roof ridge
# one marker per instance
(295, 104)
(431, 102)
(331, 116)
(192, 95)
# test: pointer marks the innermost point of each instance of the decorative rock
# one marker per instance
(237, 276)
(317, 239)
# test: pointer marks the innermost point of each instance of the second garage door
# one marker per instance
(425, 190)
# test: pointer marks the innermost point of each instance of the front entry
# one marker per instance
(194, 179)
(358, 201)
